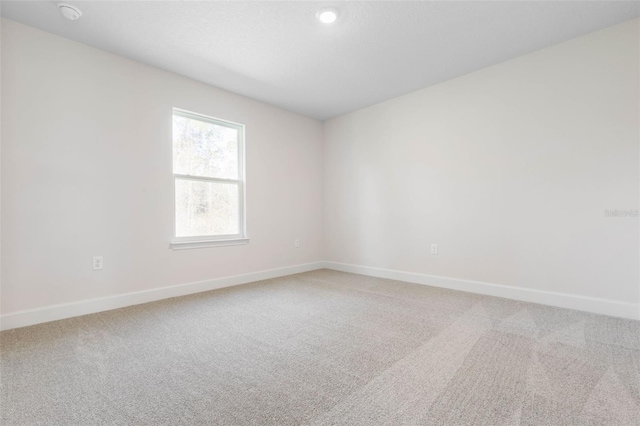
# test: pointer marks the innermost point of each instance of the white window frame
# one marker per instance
(179, 243)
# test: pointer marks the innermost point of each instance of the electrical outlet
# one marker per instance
(97, 263)
(434, 249)
(296, 243)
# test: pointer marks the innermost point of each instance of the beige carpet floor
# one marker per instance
(325, 348)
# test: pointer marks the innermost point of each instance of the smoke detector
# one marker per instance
(70, 12)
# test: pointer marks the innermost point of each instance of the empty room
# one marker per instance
(320, 213)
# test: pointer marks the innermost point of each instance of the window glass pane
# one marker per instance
(206, 208)
(204, 149)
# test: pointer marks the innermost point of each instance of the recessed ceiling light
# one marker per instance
(327, 15)
(72, 13)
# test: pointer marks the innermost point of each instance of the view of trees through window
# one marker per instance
(207, 181)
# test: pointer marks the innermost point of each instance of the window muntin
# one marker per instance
(208, 169)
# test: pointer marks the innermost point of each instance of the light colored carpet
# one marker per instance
(325, 348)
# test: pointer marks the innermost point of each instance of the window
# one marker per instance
(208, 172)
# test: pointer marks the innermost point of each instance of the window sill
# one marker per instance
(186, 245)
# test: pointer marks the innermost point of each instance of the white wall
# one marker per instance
(86, 170)
(509, 169)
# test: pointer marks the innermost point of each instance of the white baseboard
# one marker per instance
(84, 307)
(561, 300)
